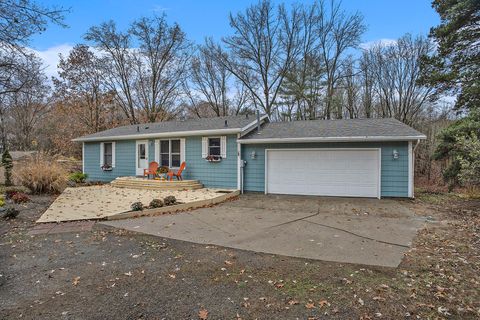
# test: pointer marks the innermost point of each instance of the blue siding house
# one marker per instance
(354, 157)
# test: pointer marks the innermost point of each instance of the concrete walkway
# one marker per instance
(363, 231)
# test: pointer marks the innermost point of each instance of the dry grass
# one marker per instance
(42, 174)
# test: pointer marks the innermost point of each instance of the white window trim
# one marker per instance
(182, 151)
(102, 152)
(206, 146)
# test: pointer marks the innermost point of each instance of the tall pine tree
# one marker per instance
(455, 70)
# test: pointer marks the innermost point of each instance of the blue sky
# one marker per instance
(385, 19)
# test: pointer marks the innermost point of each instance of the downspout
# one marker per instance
(239, 165)
(413, 167)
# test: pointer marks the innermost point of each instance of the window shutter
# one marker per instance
(223, 146)
(182, 150)
(102, 149)
(157, 151)
(204, 147)
(113, 154)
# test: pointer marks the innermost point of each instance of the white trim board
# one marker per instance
(378, 150)
(83, 157)
(410, 169)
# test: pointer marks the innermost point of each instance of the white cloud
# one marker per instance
(370, 44)
(50, 58)
(158, 8)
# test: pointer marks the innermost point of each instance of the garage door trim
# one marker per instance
(379, 151)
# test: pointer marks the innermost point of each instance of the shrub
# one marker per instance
(156, 203)
(170, 200)
(20, 197)
(10, 213)
(12, 190)
(43, 174)
(137, 206)
(7, 163)
(78, 177)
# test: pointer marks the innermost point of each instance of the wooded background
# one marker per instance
(293, 63)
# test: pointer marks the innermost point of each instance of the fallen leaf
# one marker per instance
(361, 301)
(293, 302)
(76, 281)
(172, 275)
(321, 303)
(203, 314)
(310, 305)
(228, 263)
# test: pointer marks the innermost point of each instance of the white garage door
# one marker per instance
(326, 172)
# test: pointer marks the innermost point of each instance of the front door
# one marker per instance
(141, 156)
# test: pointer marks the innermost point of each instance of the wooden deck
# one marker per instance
(151, 184)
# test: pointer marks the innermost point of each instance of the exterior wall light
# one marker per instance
(253, 155)
(395, 154)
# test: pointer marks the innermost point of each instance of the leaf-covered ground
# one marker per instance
(114, 274)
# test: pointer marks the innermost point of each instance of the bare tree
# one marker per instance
(263, 45)
(146, 80)
(367, 83)
(351, 88)
(117, 65)
(337, 32)
(211, 85)
(81, 86)
(396, 70)
(25, 109)
(209, 79)
(19, 20)
(161, 65)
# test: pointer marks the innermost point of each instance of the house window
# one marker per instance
(107, 154)
(170, 153)
(214, 147)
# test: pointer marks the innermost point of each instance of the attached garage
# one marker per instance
(323, 172)
(347, 158)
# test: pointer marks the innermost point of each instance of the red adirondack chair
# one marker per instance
(177, 174)
(152, 169)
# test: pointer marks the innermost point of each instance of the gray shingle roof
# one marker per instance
(234, 123)
(345, 128)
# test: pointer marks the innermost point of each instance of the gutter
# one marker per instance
(332, 139)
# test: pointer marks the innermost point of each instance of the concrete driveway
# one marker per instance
(351, 230)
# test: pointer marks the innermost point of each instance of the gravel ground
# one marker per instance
(114, 274)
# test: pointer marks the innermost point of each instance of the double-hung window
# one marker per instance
(107, 154)
(214, 147)
(170, 153)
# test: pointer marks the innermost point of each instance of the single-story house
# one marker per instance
(351, 157)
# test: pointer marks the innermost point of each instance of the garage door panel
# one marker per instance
(323, 172)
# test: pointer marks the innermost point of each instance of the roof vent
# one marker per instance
(138, 128)
(246, 115)
(226, 123)
(147, 127)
